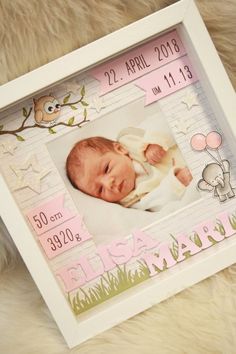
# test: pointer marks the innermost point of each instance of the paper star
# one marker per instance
(30, 162)
(97, 104)
(71, 87)
(29, 174)
(182, 125)
(190, 100)
(8, 147)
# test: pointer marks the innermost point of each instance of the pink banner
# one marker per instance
(49, 215)
(64, 237)
(167, 80)
(138, 62)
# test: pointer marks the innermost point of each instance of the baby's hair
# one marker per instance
(75, 157)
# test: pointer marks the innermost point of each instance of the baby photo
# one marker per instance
(128, 160)
(142, 169)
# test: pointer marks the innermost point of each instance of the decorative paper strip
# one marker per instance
(49, 215)
(168, 79)
(66, 236)
(139, 62)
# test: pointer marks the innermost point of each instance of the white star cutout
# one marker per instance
(29, 174)
(190, 100)
(8, 147)
(97, 103)
(182, 125)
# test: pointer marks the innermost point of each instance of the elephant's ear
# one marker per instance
(204, 186)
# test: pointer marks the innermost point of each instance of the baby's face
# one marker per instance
(109, 176)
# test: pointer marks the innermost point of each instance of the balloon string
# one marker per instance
(220, 159)
(222, 163)
(212, 155)
(218, 153)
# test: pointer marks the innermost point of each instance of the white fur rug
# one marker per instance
(200, 320)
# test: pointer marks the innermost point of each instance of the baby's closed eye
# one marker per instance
(106, 169)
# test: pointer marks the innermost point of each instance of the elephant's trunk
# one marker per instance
(220, 181)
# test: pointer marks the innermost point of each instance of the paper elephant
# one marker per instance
(216, 177)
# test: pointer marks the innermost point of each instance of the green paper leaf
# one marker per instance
(85, 113)
(73, 107)
(20, 138)
(24, 112)
(84, 103)
(82, 91)
(66, 99)
(51, 131)
(1, 127)
(71, 121)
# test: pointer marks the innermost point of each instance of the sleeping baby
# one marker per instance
(142, 169)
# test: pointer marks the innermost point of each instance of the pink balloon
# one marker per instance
(198, 142)
(213, 140)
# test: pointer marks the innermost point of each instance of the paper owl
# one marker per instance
(46, 109)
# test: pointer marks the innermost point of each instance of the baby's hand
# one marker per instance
(184, 176)
(154, 153)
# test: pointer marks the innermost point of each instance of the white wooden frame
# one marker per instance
(223, 101)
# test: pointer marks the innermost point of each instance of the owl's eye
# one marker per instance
(57, 104)
(49, 107)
